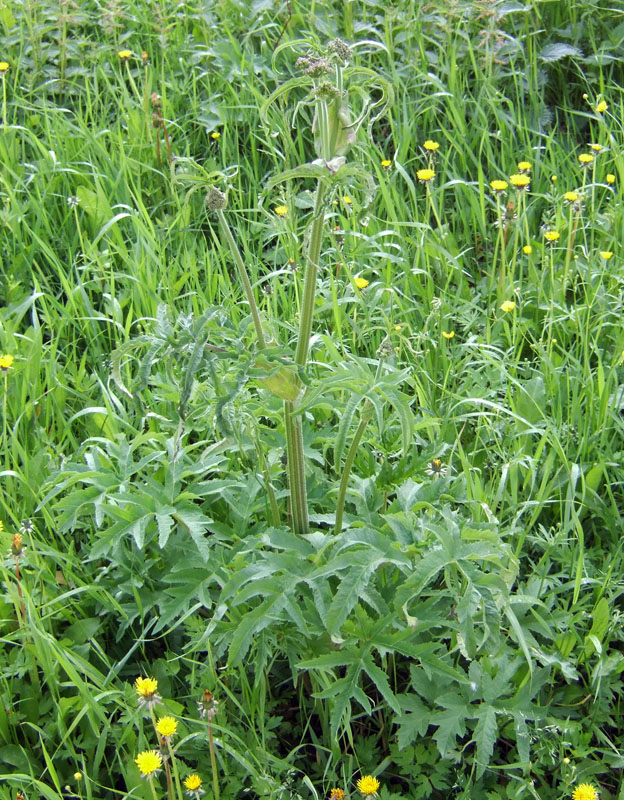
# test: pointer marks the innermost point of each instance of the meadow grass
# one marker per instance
(449, 618)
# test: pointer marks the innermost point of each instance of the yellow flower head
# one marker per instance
(448, 335)
(386, 163)
(6, 362)
(425, 175)
(600, 108)
(347, 200)
(499, 186)
(4, 66)
(149, 763)
(520, 181)
(77, 776)
(585, 791)
(368, 785)
(606, 254)
(527, 249)
(524, 166)
(610, 178)
(596, 147)
(361, 283)
(571, 197)
(552, 236)
(507, 306)
(146, 687)
(124, 55)
(553, 178)
(215, 135)
(192, 783)
(586, 158)
(281, 211)
(17, 546)
(166, 726)
(145, 57)
(336, 794)
(431, 145)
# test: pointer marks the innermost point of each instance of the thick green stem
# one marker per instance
(367, 413)
(242, 272)
(296, 469)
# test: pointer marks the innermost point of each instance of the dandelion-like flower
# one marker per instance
(448, 334)
(192, 784)
(77, 776)
(431, 146)
(606, 254)
(436, 467)
(508, 306)
(425, 175)
(347, 200)
(146, 689)
(499, 186)
(145, 58)
(73, 201)
(585, 791)
(553, 178)
(4, 65)
(17, 546)
(552, 236)
(367, 785)
(601, 108)
(215, 135)
(524, 166)
(124, 55)
(361, 283)
(149, 763)
(520, 180)
(336, 794)
(166, 727)
(586, 159)
(597, 148)
(6, 362)
(610, 178)
(527, 249)
(207, 706)
(281, 211)
(386, 163)
(571, 197)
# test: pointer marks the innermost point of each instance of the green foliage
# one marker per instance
(460, 630)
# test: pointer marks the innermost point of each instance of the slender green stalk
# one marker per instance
(242, 272)
(367, 413)
(176, 775)
(213, 762)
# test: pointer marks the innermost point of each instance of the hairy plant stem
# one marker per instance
(244, 276)
(367, 413)
(292, 421)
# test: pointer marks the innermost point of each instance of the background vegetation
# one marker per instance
(462, 633)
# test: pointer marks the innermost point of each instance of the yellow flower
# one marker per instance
(571, 197)
(606, 254)
(124, 55)
(347, 200)
(149, 763)
(553, 178)
(524, 166)
(507, 306)
(77, 776)
(215, 135)
(368, 785)
(520, 181)
(4, 66)
(600, 108)
(361, 283)
(596, 147)
(336, 794)
(6, 362)
(586, 158)
(431, 145)
(397, 327)
(17, 546)
(585, 791)
(386, 163)
(527, 249)
(281, 211)
(425, 175)
(146, 689)
(610, 178)
(448, 335)
(552, 236)
(166, 726)
(499, 186)
(192, 783)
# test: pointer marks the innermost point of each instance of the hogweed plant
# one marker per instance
(332, 86)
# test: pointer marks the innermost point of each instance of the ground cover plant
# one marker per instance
(311, 389)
